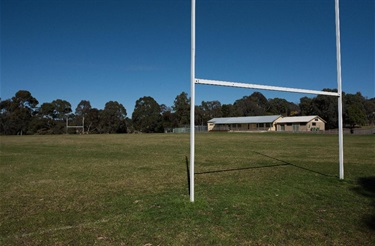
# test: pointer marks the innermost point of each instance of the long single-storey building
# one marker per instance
(248, 123)
(301, 123)
(267, 123)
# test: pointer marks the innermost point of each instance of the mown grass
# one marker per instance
(251, 189)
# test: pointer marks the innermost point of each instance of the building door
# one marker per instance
(280, 127)
(295, 127)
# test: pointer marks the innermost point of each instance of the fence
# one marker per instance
(346, 131)
(198, 129)
(355, 131)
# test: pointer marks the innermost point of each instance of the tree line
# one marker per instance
(22, 115)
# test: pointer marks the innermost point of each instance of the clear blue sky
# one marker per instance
(123, 50)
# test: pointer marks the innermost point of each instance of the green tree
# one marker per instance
(227, 110)
(41, 125)
(212, 109)
(354, 110)
(169, 119)
(24, 99)
(355, 116)
(181, 109)
(208, 110)
(82, 110)
(255, 104)
(44, 120)
(92, 121)
(282, 107)
(147, 116)
(5, 113)
(326, 107)
(370, 110)
(48, 111)
(199, 115)
(16, 113)
(61, 108)
(306, 106)
(112, 118)
(51, 117)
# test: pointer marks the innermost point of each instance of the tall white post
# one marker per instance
(339, 90)
(192, 102)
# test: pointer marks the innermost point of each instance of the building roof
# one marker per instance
(297, 119)
(245, 120)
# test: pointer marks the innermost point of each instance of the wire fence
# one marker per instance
(355, 131)
(198, 129)
(203, 129)
(346, 131)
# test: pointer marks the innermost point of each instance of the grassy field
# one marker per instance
(251, 189)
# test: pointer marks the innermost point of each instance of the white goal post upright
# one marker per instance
(194, 81)
(339, 90)
(192, 102)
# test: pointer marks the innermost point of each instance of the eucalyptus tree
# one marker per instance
(147, 116)
(112, 118)
(181, 108)
(255, 104)
(16, 113)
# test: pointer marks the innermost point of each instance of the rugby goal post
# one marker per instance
(194, 80)
(75, 127)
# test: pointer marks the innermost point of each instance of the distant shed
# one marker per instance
(301, 123)
(248, 123)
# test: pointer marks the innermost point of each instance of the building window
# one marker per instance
(268, 125)
(280, 127)
(289, 124)
(314, 124)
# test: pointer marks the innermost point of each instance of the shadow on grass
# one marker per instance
(294, 165)
(239, 169)
(188, 173)
(366, 187)
(283, 163)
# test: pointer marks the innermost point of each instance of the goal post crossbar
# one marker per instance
(264, 87)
